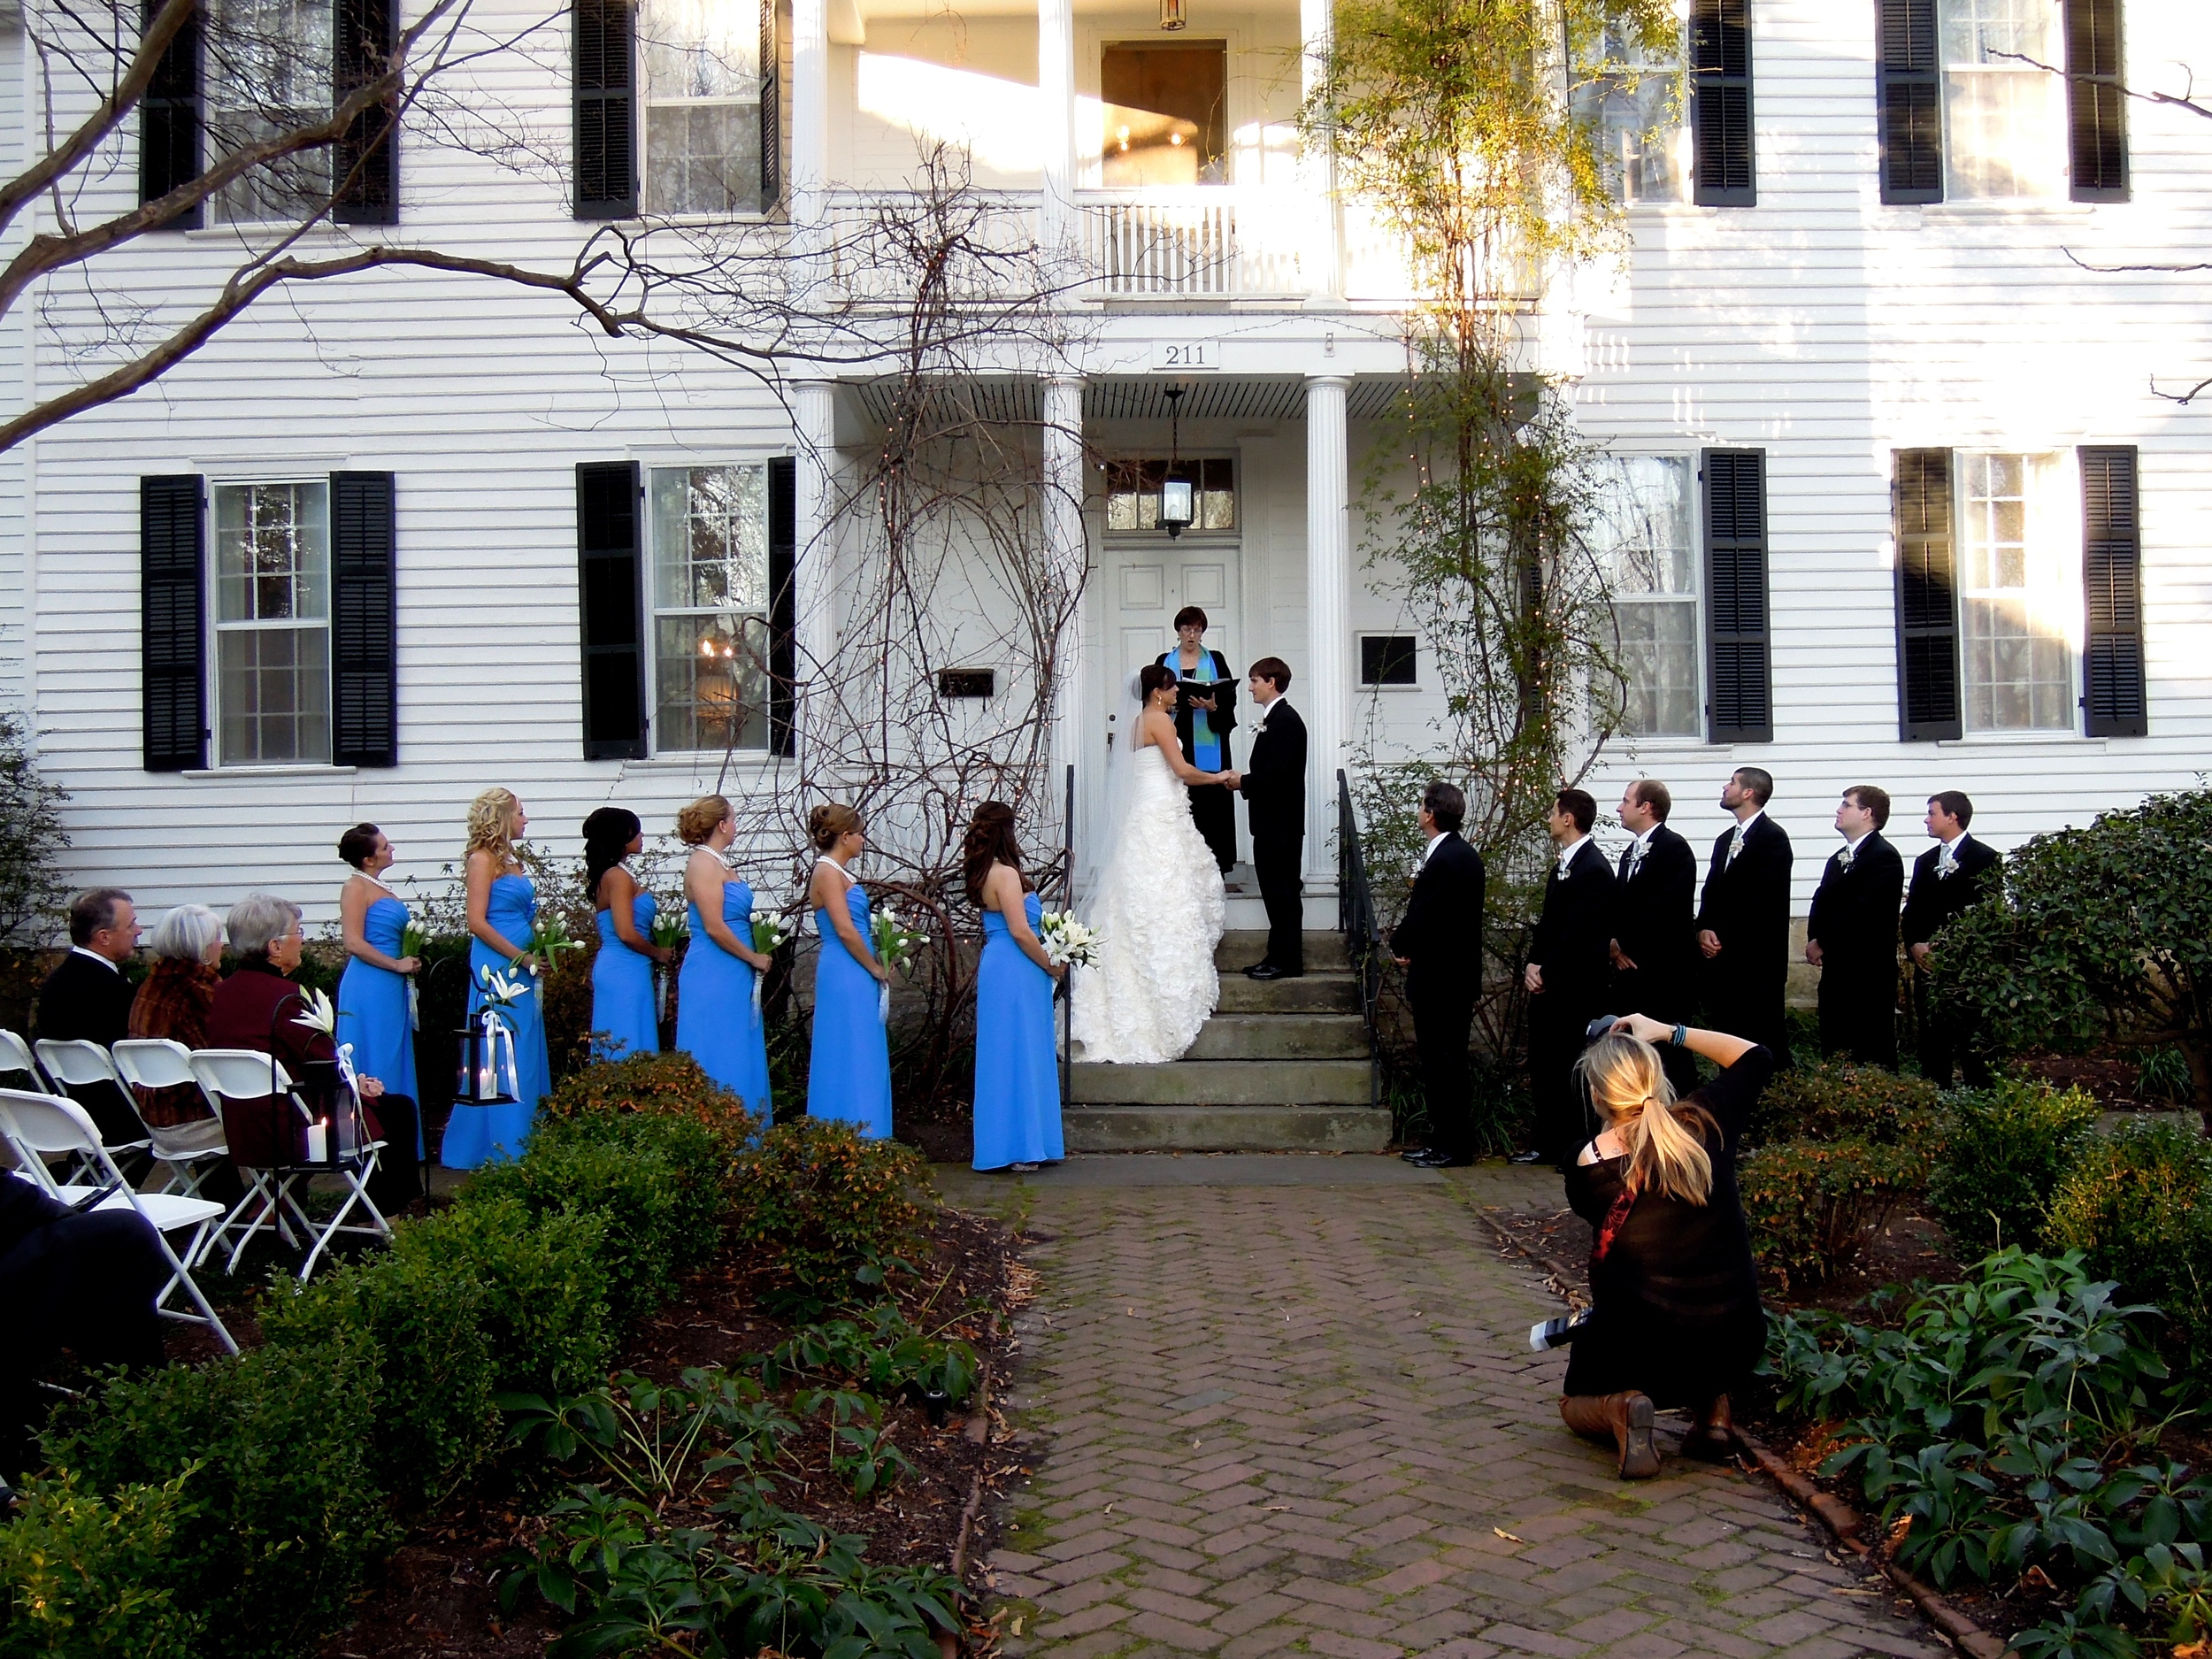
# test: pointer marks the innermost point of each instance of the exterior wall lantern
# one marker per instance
(1179, 496)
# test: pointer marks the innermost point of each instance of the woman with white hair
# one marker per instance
(173, 1002)
(1675, 1318)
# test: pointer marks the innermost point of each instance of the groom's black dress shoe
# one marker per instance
(1264, 971)
(1414, 1155)
(1434, 1159)
(1527, 1157)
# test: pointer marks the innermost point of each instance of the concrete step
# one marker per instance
(1241, 948)
(1314, 994)
(1212, 1083)
(1137, 1128)
(1281, 1037)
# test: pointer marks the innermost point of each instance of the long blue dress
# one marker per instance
(1016, 1071)
(622, 1005)
(494, 1134)
(849, 1074)
(372, 1013)
(717, 1023)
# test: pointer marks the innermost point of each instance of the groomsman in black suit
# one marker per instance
(1654, 934)
(1743, 919)
(1569, 963)
(1955, 873)
(1273, 785)
(1438, 944)
(1852, 934)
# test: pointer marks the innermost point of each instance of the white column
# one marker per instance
(1316, 168)
(1327, 701)
(1069, 551)
(814, 571)
(1055, 114)
(810, 118)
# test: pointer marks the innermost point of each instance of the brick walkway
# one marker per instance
(1304, 1418)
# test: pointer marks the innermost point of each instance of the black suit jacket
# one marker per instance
(1855, 912)
(84, 1001)
(1935, 900)
(1225, 714)
(1748, 903)
(1440, 934)
(1652, 912)
(1274, 785)
(1576, 928)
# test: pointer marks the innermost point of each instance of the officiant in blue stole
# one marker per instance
(1205, 730)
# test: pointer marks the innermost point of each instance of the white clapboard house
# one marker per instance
(1924, 518)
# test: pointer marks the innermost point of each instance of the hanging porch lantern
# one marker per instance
(1179, 496)
(1172, 16)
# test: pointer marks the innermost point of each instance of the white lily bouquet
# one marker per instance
(671, 929)
(412, 943)
(769, 934)
(896, 944)
(1067, 940)
(501, 990)
(318, 1014)
(549, 937)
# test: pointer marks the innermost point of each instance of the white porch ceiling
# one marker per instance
(1144, 397)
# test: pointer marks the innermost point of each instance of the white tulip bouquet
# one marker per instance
(896, 944)
(1067, 940)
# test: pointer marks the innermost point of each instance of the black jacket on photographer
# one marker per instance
(1674, 1292)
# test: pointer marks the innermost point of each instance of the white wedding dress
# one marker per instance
(1159, 912)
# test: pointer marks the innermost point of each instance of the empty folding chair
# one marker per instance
(79, 1063)
(15, 1055)
(188, 1151)
(40, 1126)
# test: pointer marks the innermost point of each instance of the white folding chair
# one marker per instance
(42, 1125)
(188, 1151)
(247, 1074)
(80, 1063)
(15, 1055)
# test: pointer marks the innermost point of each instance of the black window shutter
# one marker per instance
(1908, 96)
(169, 123)
(1740, 707)
(609, 556)
(606, 114)
(2096, 101)
(771, 112)
(363, 622)
(365, 162)
(171, 586)
(783, 609)
(2113, 695)
(1927, 598)
(1720, 102)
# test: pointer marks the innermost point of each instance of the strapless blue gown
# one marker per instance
(476, 1136)
(622, 988)
(1016, 1071)
(716, 1022)
(373, 1010)
(850, 1075)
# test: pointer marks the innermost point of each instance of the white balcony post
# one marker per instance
(809, 125)
(1327, 706)
(1316, 166)
(1056, 137)
(1068, 551)
(814, 572)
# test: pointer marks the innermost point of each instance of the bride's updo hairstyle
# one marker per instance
(990, 841)
(827, 822)
(1151, 677)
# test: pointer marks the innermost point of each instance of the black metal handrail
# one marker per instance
(1067, 904)
(1356, 919)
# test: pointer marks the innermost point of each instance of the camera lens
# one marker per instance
(1599, 1027)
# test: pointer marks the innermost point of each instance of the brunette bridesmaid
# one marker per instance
(624, 1017)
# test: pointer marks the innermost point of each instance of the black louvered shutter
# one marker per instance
(169, 124)
(1908, 95)
(172, 589)
(771, 111)
(1927, 598)
(2113, 697)
(783, 607)
(2096, 101)
(365, 162)
(1740, 706)
(606, 112)
(610, 557)
(363, 620)
(1720, 102)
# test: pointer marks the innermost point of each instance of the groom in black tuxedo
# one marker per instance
(1438, 943)
(1273, 785)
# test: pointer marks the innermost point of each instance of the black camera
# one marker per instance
(1602, 1025)
(1550, 1334)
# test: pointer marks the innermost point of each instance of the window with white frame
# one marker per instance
(2019, 602)
(1132, 492)
(272, 573)
(710, 557)
(703, 84)
(1644, 534)
(1633, 104)
(2004, 116)
(268, 70)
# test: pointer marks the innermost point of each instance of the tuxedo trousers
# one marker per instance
(1745, 999)
(1558, 1024)
(1660, 994)
(1858, 1009)
(1278, 862)
(1443, 1018)
(1946, 1038)
(1213, 809)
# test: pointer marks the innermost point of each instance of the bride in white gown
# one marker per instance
(1159, 909)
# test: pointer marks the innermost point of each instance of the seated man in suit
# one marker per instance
(1852, 934)
(1956, 873)
(1569, 963)
(1654, 937)
(1438, 944)
(87, 999)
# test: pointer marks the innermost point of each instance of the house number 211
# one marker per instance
(1186, 354)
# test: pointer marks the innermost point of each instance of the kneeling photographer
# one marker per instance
(1675, 1318)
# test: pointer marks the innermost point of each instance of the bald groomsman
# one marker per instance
(1654, 930)
(1743, 919)
(1852, 934)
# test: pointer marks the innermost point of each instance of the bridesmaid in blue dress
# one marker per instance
(624, 1016)
(717, 1019)
(850, 1075)
(502, 905)
(375, 1013)
(1017, 1070)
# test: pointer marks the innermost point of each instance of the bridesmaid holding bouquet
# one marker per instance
(849, 1074)
(717, 1004)
(375, 1013)
(624, 1018)
(503, 907)
(1016, 1071)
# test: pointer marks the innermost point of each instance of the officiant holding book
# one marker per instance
(1205, 714)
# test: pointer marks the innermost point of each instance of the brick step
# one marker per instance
(1150, 1128)
(1241, 948)
(1274, 1036)
(1314, 994)
(1215, 1083)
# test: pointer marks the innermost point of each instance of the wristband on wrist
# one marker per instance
(1681, 1037)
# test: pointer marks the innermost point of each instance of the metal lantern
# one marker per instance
(1179, 496)
(487, 1074)
(1172, 16)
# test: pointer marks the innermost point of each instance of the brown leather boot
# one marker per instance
(1625, 1419)
(1709, 1441)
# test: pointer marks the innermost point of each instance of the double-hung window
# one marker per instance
(1644, 534)
(272, 611)
(2004, 110)
(1632, 102)
(2019, 594)
(269, 67)
(710, 602)
(702, 106)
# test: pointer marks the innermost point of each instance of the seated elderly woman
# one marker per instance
(173, 1002)
(258, 1007)
(1675, 1318)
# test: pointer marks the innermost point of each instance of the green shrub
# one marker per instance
(662, 1085)
(2004, 1150)
(1845, 1102)
(831, 1211)
(2139, 1204)
(544, 1313)
(83, 1576)
(282, 1518)
(1813, 1205)
(436, 1421)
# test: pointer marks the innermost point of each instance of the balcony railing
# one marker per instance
(1201, 240)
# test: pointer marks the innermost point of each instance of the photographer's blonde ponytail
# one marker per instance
(1665, 1142)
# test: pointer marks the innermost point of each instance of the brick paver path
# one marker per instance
(1306, 1419)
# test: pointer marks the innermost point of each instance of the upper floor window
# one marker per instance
(1633, 104)
(2003, 109)
(1644, 534)
(709, 526)
(1132, 493)
(1165, 112)
(2019, 597)
(272, 577)
(702, 106)
(269, 69)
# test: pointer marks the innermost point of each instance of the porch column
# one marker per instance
(1056, 134)
(1068, 551)
(809, 121)
(1327, 704)
(814, 569)
(1317, 168)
